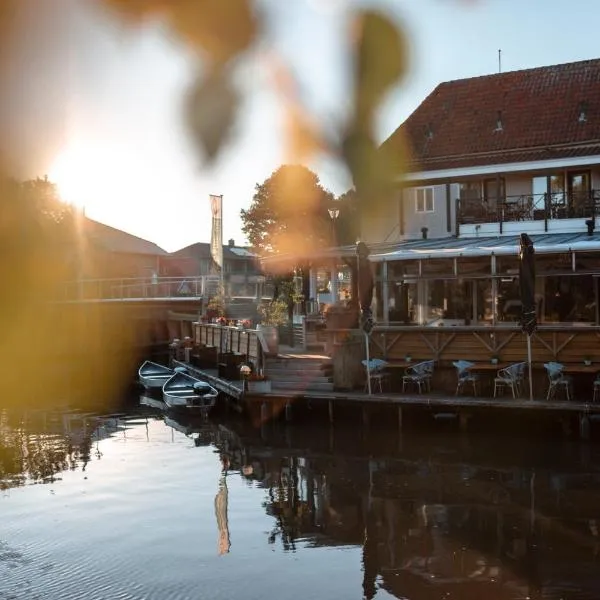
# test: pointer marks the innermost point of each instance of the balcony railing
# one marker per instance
(529, 207)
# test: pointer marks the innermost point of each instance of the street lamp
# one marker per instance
(334, 213)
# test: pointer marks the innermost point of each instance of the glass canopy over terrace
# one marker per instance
(475, 281)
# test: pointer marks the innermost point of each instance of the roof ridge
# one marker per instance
(571, 65)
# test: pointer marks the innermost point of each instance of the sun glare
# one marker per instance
(70, 173)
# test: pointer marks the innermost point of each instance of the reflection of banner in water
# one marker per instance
(222, 519)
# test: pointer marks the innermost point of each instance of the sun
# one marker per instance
(70, 172)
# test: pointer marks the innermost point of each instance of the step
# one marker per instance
(301, 377)
(290, 371)
(297, 364)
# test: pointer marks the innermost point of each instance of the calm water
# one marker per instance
(137, 506)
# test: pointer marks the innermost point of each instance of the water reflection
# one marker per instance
(439, 519)
(432, 516)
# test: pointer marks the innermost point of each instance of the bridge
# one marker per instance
(139, 289)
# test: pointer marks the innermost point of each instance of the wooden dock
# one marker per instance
(286, 402)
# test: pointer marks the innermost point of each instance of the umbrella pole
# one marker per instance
(368, 362)
(529, 361)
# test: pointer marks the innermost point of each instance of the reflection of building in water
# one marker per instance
(37, 445)
(430, 524)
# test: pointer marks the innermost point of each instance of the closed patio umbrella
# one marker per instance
(527, 290)
(365, 297)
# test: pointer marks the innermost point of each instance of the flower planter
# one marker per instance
(259, 387)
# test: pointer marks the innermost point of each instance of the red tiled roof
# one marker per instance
(539, 110)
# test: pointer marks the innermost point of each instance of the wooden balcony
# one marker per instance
(550, 211)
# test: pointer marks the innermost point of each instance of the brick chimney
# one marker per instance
(231, 243)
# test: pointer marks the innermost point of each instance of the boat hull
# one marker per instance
(183, 392)
(153, 376)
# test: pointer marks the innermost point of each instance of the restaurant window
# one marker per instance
(483, 298)
(403, 302)
(448, 299)
(424, 199)
(509, 299)
(569, 299)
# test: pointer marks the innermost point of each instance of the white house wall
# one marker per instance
(379, 225)
(436, 221)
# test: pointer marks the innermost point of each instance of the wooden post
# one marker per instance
(331, 411)
(365, 417)
(584, 426)
(399, 419)
(264, 412)
(464, 421)
(288, 411)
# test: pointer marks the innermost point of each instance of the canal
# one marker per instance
(138, 505)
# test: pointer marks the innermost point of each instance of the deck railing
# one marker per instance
(139, 288)
(529, 207)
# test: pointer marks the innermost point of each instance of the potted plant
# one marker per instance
(257, 383)
(215, 308)
(587, 361)
(273, 314)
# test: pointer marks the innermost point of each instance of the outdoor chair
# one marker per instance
(419, 375)
(596, 390)
(511, 377)
(376, 373)
(464, 376)
(557, 379)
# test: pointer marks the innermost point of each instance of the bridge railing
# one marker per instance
(134, 288)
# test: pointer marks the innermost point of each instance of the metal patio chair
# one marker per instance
(419, 375)
(376, 373)
(510, 377)
(557, 380)
(465, 376)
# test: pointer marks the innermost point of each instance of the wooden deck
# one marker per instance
(441, 401)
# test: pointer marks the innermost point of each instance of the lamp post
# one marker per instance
(334, 213)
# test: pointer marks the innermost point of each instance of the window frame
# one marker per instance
(424, 190)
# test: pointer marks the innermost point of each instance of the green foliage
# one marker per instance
(347, 226)
(274, 313)
(288, 212)
(216, 305)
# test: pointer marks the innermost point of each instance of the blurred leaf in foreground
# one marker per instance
(222, 28)
(381, 60)
(211, 109)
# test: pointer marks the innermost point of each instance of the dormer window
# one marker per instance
(582, 112)
(428, 132)
(499, 125)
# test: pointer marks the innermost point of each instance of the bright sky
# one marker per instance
(125, 154)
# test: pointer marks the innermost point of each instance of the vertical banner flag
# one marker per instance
(216, 234)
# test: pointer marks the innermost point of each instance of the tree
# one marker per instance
(288, 213)
(348, 223)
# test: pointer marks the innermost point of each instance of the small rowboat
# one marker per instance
(183, 391)
(153, 376)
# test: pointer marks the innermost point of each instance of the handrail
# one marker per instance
(140, 287)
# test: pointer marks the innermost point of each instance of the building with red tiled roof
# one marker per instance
(490, 158)
(533, 114)
(487, 154)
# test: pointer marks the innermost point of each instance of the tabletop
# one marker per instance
(578, 368)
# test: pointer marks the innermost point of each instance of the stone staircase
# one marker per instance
(300, 373)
